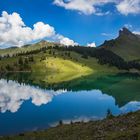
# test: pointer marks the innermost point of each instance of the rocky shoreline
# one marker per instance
(123, 127)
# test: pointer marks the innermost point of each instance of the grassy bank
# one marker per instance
(54, 66)
(126, 127)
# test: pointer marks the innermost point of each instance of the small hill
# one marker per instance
(126, 45)
(27, 48)
(58, 69)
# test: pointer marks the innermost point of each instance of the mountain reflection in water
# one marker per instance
(33, 107)
(13, 95)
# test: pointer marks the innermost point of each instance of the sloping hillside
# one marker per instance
(123, 127)
(126, 45)
(52, 65)
(27, 48)
(33, 58)
(58, 69)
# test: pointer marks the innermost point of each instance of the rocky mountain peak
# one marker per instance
(125, 31)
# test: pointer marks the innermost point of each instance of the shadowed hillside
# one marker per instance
(126, 45)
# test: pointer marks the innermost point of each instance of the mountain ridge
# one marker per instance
(126, 45)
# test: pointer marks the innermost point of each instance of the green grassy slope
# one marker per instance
(58, 69)
(56, 66)
(27, 48)
(61, 68)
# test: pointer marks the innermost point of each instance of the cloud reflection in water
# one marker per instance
(13, 94)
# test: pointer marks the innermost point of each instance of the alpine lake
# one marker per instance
(30, 103)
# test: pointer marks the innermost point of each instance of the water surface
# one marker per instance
(30, 105)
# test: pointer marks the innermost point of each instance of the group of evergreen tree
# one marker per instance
(22, 64)
(103, 56)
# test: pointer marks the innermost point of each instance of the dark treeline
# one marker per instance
(21, 64)
(103, 56)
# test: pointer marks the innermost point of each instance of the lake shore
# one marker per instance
(123, 127)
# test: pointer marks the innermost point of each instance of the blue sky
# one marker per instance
(99, 22)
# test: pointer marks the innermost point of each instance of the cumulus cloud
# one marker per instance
(88, 7)
(65, 41)
(129, 7)
(14, 32)
(93, 44)
(12, 95)
(84, 6)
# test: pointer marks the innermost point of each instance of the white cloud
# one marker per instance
(103, 13)
(91, 44)
(84, 6)
(42, 30)
(65, 41)
(12, 95)
(129, 7)
(14, 32)
(88, 7)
